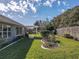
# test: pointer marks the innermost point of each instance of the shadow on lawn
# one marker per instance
(27, 47)
(17, 51)
(39, 38)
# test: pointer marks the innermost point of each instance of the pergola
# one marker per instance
(33, 27)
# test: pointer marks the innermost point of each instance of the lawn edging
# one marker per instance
(9, 45)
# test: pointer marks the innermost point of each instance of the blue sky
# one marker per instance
(28, 11)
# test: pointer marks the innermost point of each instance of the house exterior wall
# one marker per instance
(9, 32)
(23, 31)
(8, 29)
(13, 32)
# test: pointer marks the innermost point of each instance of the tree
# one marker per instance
(41, 24)
(49, 36)
(67, 19)
(38, 23)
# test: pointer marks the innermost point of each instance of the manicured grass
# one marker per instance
(31, 49)
(17, 51)
(68, 49)
(35, 35)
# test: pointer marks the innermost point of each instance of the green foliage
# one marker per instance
(68, 18)
(42, 24)
(49, 34)
(49, 27)
(38, 23)
(45, 33)
(51, 38)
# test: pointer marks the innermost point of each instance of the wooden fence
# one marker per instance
(73, 31)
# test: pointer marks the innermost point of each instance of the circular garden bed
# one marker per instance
(48, 44)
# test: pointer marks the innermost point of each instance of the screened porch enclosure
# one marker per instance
(10, 31)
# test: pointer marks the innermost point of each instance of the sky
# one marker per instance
(28, 11)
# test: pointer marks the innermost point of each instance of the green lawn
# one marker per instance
(31, 49)
(17, 51)
(68, 49)
(35, 35)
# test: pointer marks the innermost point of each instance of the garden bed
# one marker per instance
(49, 44)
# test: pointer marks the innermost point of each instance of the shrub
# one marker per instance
(51, 37)
(57, 41)
(45, 33)
(55, 32)
(68, 36)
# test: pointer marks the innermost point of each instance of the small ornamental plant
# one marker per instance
(45, 34)
(49, 39)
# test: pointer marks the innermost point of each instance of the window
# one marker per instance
(9, 34)
(0, 27)
(5, 28)
(0, 30)
(9, 30)
(6, 31)
(0, 34)
(18, 30)
(9, 27)
(4, 34)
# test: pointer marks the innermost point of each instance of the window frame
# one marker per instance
(5, 36)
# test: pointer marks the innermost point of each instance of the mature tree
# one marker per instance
(42, 24)
(68, 18)
(38, 23)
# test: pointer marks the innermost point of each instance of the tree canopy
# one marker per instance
(68, 18)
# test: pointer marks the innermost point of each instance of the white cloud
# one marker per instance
(35, 1)
(59, 2)
(24, 2)
(10, 16)
(21, 6)
(13, 6)
(52, 1)
(50, 17)
(3, 13)
(25, 6)
(64, 3)
(3, 7)
(29, 5)
(20, 16)
(63, 10)
(49, 3)
(32, 7)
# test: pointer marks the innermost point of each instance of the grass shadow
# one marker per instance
(39, 38)
(18, 50)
